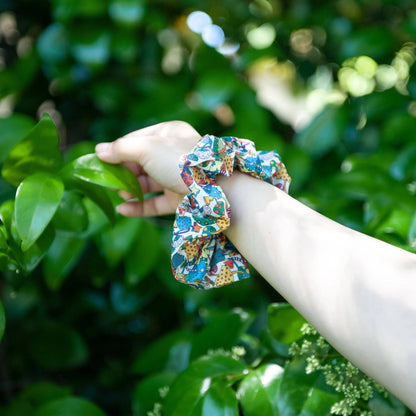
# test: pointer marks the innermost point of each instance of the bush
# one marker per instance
(94, 318)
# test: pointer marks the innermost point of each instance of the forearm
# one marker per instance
(357, 291)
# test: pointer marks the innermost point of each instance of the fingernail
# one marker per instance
(101, 147)
(120, 209)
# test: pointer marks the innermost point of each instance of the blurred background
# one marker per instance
(329, 84)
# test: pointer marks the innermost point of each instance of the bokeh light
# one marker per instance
(198, 21)
(261, 37)
(213, 36)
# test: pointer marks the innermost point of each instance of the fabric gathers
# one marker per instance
(202, 256)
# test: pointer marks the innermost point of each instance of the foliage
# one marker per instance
(92, 313)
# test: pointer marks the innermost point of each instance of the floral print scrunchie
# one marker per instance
(201, 254)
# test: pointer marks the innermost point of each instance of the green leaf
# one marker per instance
(116, 242)
(43, 392)
(127, 12)
(37, 152)
(304, 394)
(55, 346)
(79, 149)
(69, 406)
(170, 352)
(220, 399)
(31, 258)
(146, 392)
(91, 169)
(324, 132)
(62, 256)
(257, 391)
(222, 332)
(95, 193)
(52, 44)
(284, 323)
(37, 200)
(143, 255)
(190, 387)
(90, 45)
(386, 406)
(2, 321)
(12, 130)
(34, 396)
(71, 217)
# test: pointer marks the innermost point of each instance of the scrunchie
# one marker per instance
(202, 256)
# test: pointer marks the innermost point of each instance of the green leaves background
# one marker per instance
(94, 321)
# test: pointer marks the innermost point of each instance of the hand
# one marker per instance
(153, 155)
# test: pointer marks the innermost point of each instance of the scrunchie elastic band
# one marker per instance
(201, 255)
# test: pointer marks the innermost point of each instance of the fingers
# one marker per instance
(158, 205)
(146, 183)
(126, 149)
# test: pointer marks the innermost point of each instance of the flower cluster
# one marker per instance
(355, 388)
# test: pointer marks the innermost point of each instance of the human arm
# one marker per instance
(357, 291)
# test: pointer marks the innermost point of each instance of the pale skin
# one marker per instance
(358, 292)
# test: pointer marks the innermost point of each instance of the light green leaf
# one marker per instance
(69, 406)
(257, 391)
(37, 200)
(91, 169)
(37, 152)
(219, 400)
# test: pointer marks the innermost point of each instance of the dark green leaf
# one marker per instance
(79, 149)
(222, 332)
(62, 256)
(285, 322)
(146, 392)
(91, 169)
(97, 194)
(257, 391)
(188, 390)
(304, 394)
(71, 216)
(2, 321)
(12, 130)
(31, 258)
(117, 241)
(43, 392)
(324, 132)
(37, 152)
(69, 406)
(55, 346)
(170, 352)
(143, 254)
(37, 200)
